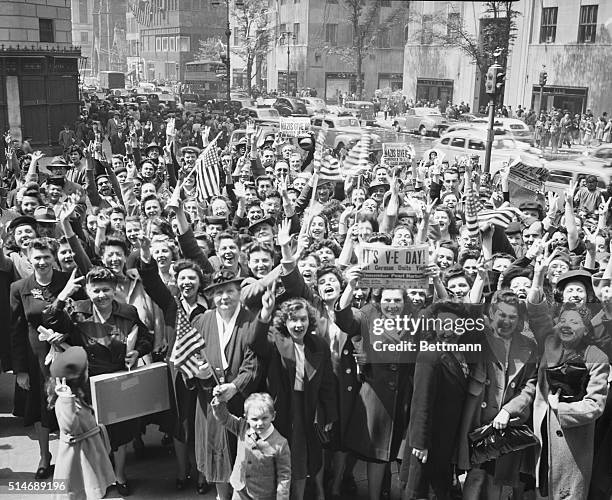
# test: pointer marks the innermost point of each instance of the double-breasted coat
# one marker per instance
(215, 446)
(492, 386)
(320, 398)
(568, 439)
(382, 408)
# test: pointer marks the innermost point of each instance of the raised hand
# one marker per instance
(68, 208)
(353, 275)
(103, 221)
(61, 388)
(268, 301)
(72, 286)
(284, 238)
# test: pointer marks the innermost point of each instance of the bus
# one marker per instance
(201, 78)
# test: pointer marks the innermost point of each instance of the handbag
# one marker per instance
(488, 443)
(571, 378)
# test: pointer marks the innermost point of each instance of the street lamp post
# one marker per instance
(288, 36)
(137, 61)
(228, 34)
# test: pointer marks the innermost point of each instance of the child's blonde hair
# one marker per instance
(260, 400)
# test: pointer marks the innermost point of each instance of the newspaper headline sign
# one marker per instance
(394, 267)
(294, 126)
(397, 153)
(528, 177)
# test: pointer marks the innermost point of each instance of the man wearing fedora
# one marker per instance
(225, 330)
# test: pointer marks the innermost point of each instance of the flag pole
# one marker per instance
(212, 143)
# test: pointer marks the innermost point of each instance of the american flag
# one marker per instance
(472, 207)
(501, 217)
(330, 169)
(142, 11)
(357, 159)
(187, 346)
(207, 173)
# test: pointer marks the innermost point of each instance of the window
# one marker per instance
(83, 11)
(385, 3)
(296, 32)
(185, 44)
(158, 44)
(331, 34)
(445, 141)
(45, 30)
(383, 39)
(84, 37)
(165, 44)
(282, 28)
(458, 142)
(406, 34)
(172, 44)
(332, 1)
(427, 29)
(588, 24)
(453, 24)
(476, 145)
(548, 27)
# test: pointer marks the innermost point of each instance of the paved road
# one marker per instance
(151, 477)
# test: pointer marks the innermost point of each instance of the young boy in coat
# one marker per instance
(262, 470)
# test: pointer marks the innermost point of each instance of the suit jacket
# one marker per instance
(118, 143)
(263, 466)
(215, 449)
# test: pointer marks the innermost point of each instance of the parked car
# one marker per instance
(290, 106)
(362, 110)
(425, 121)
(562, 172)
(343, 131)
(519, 130)
(314, 105)
(473, 141)
(261, 114)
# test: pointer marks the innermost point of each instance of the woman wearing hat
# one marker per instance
(564, 415)
(83, 450)
(21, 231)
(30, 297)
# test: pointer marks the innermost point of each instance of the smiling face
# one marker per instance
(520, 286)
(329, 287)
(28, 205)
(504, 319)
(65, 257)
(570, 329)
(575, 292)
(442, 219)
(41, 260)
(308, 268)
(317, 228)
(228, 252)
(391, 303)
(54, 193)
(260, 264)
(297, 324)
(326, 256)
(152, 208)
(132, 230)
(402, 238)
(188, 282)
(114, 258)
(445, 258)
(220, 208)
(162, 254)
(358, 196)
(101, 294)
(23, 234)
(299, 183)
(117, 221)
(416, 296)
(556, 269)
(458, 286)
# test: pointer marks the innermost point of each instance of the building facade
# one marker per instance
(571, 40)
(39, 69)
(83, 31)
(163, 35)
(314, 40)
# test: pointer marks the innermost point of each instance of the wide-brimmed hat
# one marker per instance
(152, 146)
(190, 149)
(580, 275)
(23, 220)
(262, 222)
(222, 221)
(375, 185)
(221, 278)
(59, 161)
(70, 364)
(45, 215)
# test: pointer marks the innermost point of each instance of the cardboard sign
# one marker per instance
(397, 153)
(527, 176)
(294, 126)
(125, 395)
(394, 267)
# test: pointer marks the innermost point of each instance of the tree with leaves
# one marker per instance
(210, 49)
(367, 25)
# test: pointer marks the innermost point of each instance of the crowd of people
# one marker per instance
(114, 258)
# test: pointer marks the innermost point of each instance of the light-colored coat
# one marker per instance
(571, 428)
(81, 462)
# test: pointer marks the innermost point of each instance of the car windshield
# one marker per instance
(517, 126)
(348, 122)
(268, 113)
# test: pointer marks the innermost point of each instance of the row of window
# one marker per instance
(587, 25)
(383, 37)
(178, 43)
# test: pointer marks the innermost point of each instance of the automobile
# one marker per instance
(261, 114)
(425, 121)
(362, 110)
(473, 141)
(236, 136)
(241, 102)
(562, 172)
(190, 98)
(314, 105)
(343, 131)
(603, 153)
(290, 106)
(519, 130)
(481, 123)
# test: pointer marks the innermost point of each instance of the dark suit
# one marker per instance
(215, 446)
(117, 143)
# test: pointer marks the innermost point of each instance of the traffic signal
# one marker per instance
(543, 78)
(500, 80)
(490, 80)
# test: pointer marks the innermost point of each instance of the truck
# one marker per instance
(112, 80)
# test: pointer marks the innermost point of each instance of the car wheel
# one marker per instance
(422, 130)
